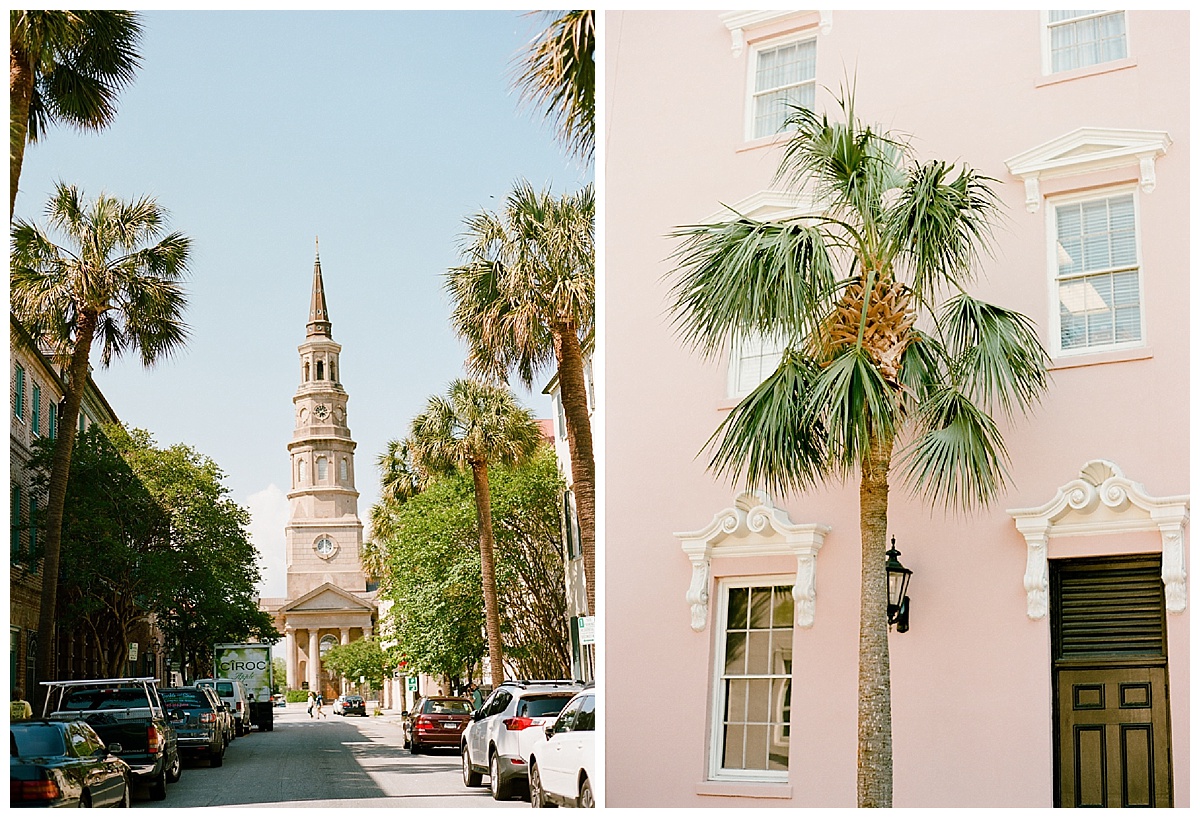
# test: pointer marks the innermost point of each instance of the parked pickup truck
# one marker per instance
(130, 718)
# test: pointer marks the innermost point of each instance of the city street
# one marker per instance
(336, 761)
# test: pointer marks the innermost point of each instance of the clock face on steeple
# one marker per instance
(321, 411)
(325, 547)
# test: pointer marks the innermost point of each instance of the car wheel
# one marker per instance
(415, 747)
(501, 789)
(158, 787)
(406, 743)
(470, 777)
(127, 795)
(586, 799)
(175, 770)
(217, 758)
(85, 800)
(537, 795)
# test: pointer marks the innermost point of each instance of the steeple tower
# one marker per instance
(324, 534)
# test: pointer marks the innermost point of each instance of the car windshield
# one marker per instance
(104, 699)
(36, 740)
(185, 698)
(548, 705)
(447, 708)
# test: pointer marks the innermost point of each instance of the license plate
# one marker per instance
(449, 725)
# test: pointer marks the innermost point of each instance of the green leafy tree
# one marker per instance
(524, 298)
(116, 283)
(474, 426)
(279, 674)
(65, 66)
(884, 349)
(557, 73)
(362, 658)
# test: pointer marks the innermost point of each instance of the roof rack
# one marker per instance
(101, 681)
(528, 682)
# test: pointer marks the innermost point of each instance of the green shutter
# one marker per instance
(15, 536)
(36, 418)
(33, 556)
(53, 421)
(19, 397)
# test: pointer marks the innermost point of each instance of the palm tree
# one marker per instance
(112, 287)
(65, 66)
(884, 348)
(475, 425)
(557, 72)
(524, 297)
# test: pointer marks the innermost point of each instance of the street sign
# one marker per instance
(133, 647)
(412, 684)
(587, 630)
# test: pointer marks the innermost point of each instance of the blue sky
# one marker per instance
(379, 132)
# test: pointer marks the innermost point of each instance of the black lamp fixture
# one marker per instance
(897, 581)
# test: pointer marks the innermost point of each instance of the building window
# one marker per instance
(751, 360)
(19, 393)
(303, 472)
(1078, 39)
(333, 369)
(14, 537)
(320, 370)
(52, 416)
(32, 552)
(345, 470)
(322, 470)
(35, 417)
(782, 75)
(306, 371)
(752, 723)
(82, 422)
(1097, 275)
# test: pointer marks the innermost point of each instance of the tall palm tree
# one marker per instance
(557, 72)
(884, 349)
(475, 425)
(525, 297)
(65, 66)
(110, 286)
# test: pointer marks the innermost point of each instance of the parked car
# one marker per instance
(279, 700)
(198, 721)
(64, 764)
(224, 715)
(563, 761)
(232, 692)
(497, 741)
(129, 717)
(436, 721)
(350, 705)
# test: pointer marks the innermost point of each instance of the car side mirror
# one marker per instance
(477, 715)
(115, 748)
(549, 729)
(403, 714)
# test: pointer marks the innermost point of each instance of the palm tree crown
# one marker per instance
(558, 74)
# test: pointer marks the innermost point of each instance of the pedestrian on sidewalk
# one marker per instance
(20, 708)
(312, 702)
(321, 707)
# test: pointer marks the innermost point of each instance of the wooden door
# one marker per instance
(1112, 713)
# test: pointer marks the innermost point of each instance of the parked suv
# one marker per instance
(497, 741)
(232, 693)
(198, 722)
(562, 764)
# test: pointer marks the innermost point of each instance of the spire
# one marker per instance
(318, 312)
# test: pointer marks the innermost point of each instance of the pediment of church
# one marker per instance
(327, 597)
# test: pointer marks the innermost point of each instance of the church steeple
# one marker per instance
(318, 312)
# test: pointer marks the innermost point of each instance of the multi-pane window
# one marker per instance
(784, 76)
(35, 418)
(322, 469)
(753, 359)
(1098, 279)
(1082, 38)
(753, 724)
(19, 393)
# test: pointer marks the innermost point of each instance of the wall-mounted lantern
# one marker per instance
(897, 581)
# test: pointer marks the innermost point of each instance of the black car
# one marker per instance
(350, 705)
(64, 764)
(198, 722)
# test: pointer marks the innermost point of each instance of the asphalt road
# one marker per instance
(338, 761)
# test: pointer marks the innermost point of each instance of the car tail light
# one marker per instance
(43, 790)
(423, 721)
(518, 722)
(153, 739)
(239, 707)
(208, 718)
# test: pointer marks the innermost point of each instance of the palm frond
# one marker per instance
(557, 72)
(856, 405)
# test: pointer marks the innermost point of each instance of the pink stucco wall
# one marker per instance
(971, 682)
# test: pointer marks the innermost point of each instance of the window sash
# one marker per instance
(1077, 39)
(783, 75)
(753, 358)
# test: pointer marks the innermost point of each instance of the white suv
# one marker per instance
(562, 762)
(497, 741)
(233, 694)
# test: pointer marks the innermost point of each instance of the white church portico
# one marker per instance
(328, 602)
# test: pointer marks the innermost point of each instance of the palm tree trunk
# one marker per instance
(874, 673)
(573, 392)
(487, 567)
(20, 94)
(60, 469)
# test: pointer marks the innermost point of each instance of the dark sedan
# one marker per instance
(436, 721)
(198, 722)
(350, 705)
(64, 764)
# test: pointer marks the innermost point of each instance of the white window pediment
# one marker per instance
(1085, 150)
(754, 527)
(741, 23)
(767, 206)
(1103, 501)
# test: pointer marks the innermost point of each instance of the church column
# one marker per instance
(345, 641)
(291, 649)
(314, 658)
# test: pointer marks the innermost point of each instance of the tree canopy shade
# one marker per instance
(557, 73)
(115, 281)
(475, 426)
(525, 298)
(65, 66)
(883, 347)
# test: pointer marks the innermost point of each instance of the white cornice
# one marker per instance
(767, 205)
(739, 22)
(1085, 150)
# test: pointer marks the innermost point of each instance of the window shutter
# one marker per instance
(1109, 608)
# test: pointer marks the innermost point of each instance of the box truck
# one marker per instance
(249, 664)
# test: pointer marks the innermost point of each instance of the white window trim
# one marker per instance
(1103, 501)
(739, 22)
(1047, 59)
(715, 740)
(1052, 267)
(735, 369)
(752, 69)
